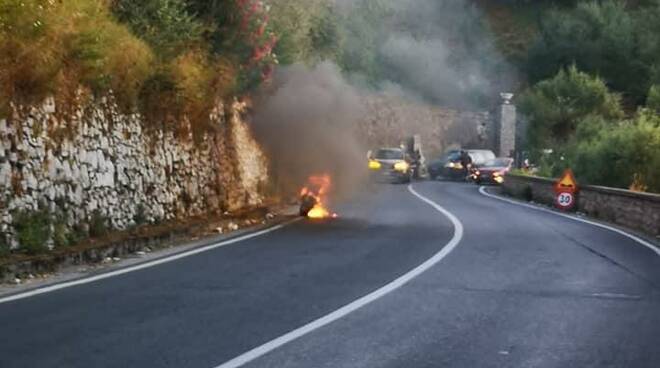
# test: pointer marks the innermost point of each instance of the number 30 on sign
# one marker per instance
(565, 200)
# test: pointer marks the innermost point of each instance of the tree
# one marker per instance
(166, 25)
(556, 106)
(325, 34)
(240, 30)
(607, 38)
(307, 30)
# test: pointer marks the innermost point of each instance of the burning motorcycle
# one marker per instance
(313, 198)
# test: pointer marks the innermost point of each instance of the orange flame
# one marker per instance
(318, 187)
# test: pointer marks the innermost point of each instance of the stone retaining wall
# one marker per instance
(100, 162)
(389, 120)
(639, 211)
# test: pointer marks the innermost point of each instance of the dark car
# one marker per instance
(493, 171)
(437, 167)
(449, 166)
(391, 165)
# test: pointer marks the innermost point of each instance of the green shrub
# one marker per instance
(623, 155)
(307, 31)
(63, 235)
(556, 106)
(99, 225)
(653, 101)
(60, 235)
(33, 230)
(166, 25)
(140, 217)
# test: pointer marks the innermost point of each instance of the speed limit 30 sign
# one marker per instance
(565, 191)
(565, 200)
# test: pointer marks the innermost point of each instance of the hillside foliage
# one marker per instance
(590, 69)
(593, 100)
(576, 122)
(612, 39)
(168, 57)
(555, 107)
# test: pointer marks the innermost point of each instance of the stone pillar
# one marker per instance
(507, 127)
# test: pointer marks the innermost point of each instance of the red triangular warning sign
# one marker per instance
(567, 182)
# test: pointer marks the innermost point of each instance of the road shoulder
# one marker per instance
(79, 274)
(642, 239)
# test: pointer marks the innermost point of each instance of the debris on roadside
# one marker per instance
(94, 254)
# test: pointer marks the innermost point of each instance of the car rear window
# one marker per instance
(480, 157)
(498, 162)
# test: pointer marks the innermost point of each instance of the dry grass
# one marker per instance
(186, 89)
(52, 47)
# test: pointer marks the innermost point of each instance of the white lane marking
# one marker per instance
(87, 280)
(643, 242)
(359, 303)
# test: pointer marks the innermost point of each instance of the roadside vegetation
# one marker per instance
(587, 71)
(170, 58)
(576, 121)
(593, 71)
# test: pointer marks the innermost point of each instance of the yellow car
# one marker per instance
(391, 165)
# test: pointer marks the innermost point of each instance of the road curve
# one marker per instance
(524, 289)
(205, 309)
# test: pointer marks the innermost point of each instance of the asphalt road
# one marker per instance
(523, 288)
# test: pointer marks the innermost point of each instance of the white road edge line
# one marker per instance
(643, 242)
(257, 352)
(87, 280)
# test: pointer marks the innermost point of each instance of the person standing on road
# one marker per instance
(466, 162)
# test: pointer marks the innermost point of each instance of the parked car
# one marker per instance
(449, 166)
(493, 171)
(391, 165)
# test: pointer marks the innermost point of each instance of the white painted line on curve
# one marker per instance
(87, 280)
(259, 351)
(643, 242)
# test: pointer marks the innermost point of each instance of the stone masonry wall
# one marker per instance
(389, 120)
(630, 209)
(101, 162)
(639, 211)
(530, 188)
